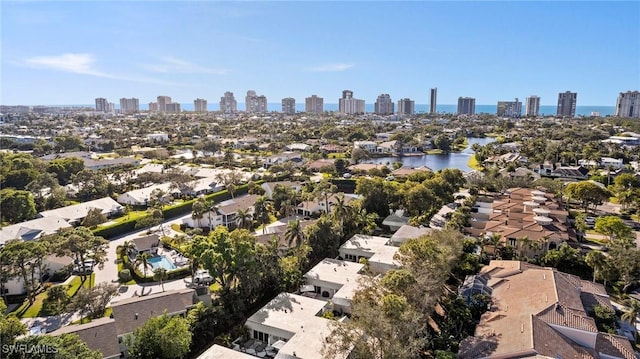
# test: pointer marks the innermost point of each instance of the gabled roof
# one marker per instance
(233, 205)
(133, 312)
(147, 242)
(33, 229)
(78, 211)
(100, 334)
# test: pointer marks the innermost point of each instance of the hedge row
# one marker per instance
(178, 273)
(124, 227)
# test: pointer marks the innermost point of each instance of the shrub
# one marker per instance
(124, 275)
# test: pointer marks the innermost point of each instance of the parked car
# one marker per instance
(202, 276)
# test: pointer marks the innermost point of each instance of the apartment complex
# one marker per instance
(349, 105)
(384, 105)
(228, 103)
(314, 104)
(433, 101)
(172, 107)
(102, 105)
(539, 312)
(511, 109)
(129, 105)
(162, 103)
(200, 105)
(567, 104)
(289, 105)
(255, 103)
(466, 106)
(628, 104)
(406, 106)
(532, 106)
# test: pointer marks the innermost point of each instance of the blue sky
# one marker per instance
(71, 52)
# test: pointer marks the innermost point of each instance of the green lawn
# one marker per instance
(337, 155)
(436, 151)
(132, 281)
(131, 215)
(33, 310)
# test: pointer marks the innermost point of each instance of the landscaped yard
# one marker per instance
(33, 310)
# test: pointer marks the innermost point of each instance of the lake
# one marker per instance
(457, 160)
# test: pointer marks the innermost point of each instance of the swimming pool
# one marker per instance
(161, 262)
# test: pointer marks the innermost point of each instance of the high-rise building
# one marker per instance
(532, 106)
(383, 105)
(628, 104)
(255, 103)
(349, 105)
(102, 105)
(200, 105)
(162, 103)
(129, 105)
(314, 104)
(466, 105)
(112, 107)
(289, 105)
(433, 103)
(172, 107)
(406, 107)
(567, 104)
(512, 109)
(228, 103)
(153, 107)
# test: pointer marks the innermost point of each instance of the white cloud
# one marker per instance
(174, 65)
(332, 68)
(83, 64)
(75, 63)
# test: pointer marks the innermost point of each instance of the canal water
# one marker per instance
(457, 160)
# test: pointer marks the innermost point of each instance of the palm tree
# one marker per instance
(160, 274)
(198, 210)
(294, 234)
(523, 243)
(597, 261)
(128, 249)
(340, 210)
(143, 260)
(631, 314)
(262, 210)
(244, 220)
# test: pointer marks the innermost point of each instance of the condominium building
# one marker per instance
(172, 107)
(532, 106)
(289, 105)
(512, 109)
(349, 105)
(567, 104)
(153, 107)
(314, 104)
(102, 105)
(384, 105)
(466, 105)
(255, 103)
(162, 103)
(406, 107)
(129, 105)
(433, 103)
(628, 104)
(200, 105)
(228, 103)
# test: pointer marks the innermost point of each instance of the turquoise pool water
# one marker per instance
(161, 262)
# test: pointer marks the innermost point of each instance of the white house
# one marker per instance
(158, 137)
(408, 232)
(298, 147)
(74, 214)
(224, 213)
(33, 229)
(378, 252)
(293, 324)
(366, 145)
(140, 197)
(334, 280)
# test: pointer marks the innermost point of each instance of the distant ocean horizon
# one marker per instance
(548, 110)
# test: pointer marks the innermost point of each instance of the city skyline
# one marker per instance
(51, 56)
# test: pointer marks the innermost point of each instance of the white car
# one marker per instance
(202, 276)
